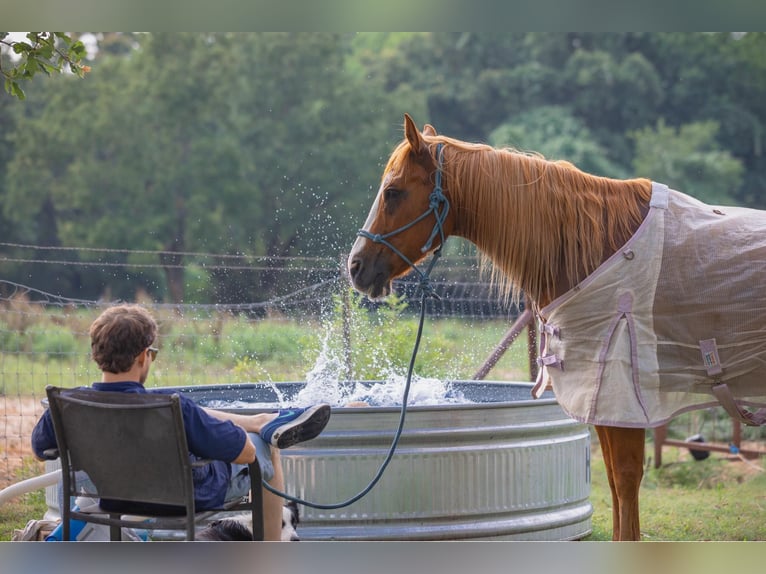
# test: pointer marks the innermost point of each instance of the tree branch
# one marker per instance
(45, 52)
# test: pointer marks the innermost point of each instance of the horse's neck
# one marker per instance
(563, 284)
(519, 235)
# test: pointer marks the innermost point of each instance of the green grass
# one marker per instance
(15, 513)
(688, 500)
(197, 351)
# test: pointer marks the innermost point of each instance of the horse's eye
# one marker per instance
(392, 194)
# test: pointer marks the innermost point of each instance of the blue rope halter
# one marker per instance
(438, 204)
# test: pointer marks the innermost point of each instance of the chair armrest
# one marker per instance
(51, 453)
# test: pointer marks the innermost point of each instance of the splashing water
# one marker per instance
(385, 393)
(326, 382)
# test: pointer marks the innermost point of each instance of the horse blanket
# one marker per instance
(675, 320)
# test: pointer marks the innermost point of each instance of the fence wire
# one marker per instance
(44, 340)
(44, 337)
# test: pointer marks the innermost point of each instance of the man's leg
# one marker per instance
(271, 469)
(272, 504)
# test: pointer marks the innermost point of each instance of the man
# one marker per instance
(123, 340)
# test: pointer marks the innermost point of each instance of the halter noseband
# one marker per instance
(436, 200)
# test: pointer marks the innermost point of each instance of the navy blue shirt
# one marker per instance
(207, 437)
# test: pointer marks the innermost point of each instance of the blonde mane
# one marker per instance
(537, 221)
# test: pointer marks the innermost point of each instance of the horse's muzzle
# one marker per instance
(372, 278)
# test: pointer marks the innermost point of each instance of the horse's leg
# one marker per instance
(623, 450)
(603, 440)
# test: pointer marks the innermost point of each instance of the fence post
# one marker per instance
(343, 281)
(523, 320)
(532, 348)
(660, 436)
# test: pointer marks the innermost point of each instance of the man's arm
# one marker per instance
(43, 436)
(249, 423)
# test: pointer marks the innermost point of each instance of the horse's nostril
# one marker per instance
(353, 267)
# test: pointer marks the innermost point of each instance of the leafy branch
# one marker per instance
(45, 52)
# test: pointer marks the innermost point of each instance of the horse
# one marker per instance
(543, 228)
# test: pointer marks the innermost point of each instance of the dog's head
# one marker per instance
(226, 530)
(290, 520)
(236, 529)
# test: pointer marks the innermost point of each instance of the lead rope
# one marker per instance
(394, 443)
(437, 198)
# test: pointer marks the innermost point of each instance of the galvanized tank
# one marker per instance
(504, 468)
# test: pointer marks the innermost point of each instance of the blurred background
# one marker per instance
(185, 165)
(220, 179)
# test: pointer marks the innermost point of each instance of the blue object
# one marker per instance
(75, 531)
(295, 425)
(81, 531)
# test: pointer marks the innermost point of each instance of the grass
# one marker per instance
(15, 513)
(231, 349)
(687, 500)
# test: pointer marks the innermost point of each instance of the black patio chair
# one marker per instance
(133, 448)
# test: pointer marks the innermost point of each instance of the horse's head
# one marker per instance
(409, 218)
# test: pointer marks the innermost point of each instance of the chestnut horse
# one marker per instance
(543, 225)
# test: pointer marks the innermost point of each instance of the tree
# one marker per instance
(612, 95)
(253, 145)
(47, 52)
(557, 134)
(266, 145)
(46, 196)
(688, 159)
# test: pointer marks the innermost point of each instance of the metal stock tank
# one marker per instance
(504, 467)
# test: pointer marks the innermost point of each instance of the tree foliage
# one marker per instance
(265, 145)
(46, 52)
(556, 133)
(688, 158)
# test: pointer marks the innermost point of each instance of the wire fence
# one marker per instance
(44, 338)
(282, 337)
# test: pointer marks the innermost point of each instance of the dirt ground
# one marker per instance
(18, 416)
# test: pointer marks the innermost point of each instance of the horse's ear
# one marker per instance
(428, 130)
(412, 134)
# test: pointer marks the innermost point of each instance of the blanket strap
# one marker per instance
(722, 392)
(724, 396)
(545, 359)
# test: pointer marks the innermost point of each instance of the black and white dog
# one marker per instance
(225, 530)
(290, 520)
(240, 529)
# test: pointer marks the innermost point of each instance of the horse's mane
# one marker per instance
(536, 219)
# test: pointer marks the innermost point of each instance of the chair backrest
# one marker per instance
(132, 446)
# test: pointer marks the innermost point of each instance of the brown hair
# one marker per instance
(119, 335)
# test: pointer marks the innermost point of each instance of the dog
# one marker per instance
(290, 520)
(225, 530)
(239, 529)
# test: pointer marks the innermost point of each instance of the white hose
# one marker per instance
(29, 485)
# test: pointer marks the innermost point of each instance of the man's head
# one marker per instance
(120, 335)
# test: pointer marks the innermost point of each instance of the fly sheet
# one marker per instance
(673, 321)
